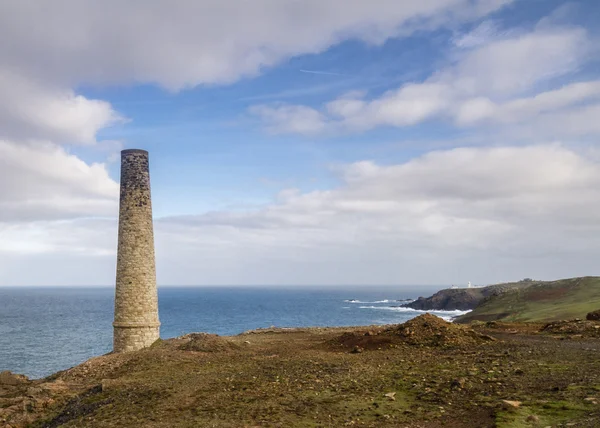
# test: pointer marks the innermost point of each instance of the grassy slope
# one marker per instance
(543, 301)
(303, 379)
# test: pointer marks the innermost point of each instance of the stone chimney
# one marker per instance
(136, 322)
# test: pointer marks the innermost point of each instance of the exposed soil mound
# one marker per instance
(97, 367)
(9, 378)
(429, 330)
(205, 342)
(424, 330)
(362, 340)
(575, 327)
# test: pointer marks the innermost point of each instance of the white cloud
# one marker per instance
(478, 214)
(490, 83)
(290, 119)
(83, 237)
(56, 48)
(577, 123)
(522, 109)
(480, 35)
(65, 252)
(35, 110)
(410, 104)
(459, 214)
(516, 64)
(192, 42)
(470, 209)
(41, 181)
(53, 49)
(51, 209)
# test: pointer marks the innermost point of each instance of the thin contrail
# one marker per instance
(322, 72)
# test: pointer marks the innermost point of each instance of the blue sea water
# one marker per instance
(47, 329)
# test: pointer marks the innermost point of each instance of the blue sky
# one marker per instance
(216, 156)
(304, 143)
(223, 144)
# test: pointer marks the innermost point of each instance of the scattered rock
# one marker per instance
(509, 404)
(592, 400)
(357, 350)
(458, 383)
(390, 395)
(573, 328)
(533, 418)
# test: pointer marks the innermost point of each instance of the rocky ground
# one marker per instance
(424, 373)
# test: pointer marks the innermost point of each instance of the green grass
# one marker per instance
(546, 414)
(544, 301)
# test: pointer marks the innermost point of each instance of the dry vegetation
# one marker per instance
(424, 373)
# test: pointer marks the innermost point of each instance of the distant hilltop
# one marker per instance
(525, 300)
(464, 299)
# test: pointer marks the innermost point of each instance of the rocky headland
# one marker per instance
(463, 299)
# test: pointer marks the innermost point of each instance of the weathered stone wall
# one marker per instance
(136, 322)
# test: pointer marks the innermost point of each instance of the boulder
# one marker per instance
(593, 316)
(510, 404)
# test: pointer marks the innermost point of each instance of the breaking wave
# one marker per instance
(379, 301)
(447, 315)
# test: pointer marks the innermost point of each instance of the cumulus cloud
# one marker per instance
(510, 66)
(88, 237)
(515, 111)
(57, 217)
(189, 42)
(66, 252)
(41, 181)
(478, 214)
(467, 213)
(507, 206)
(51, 50)
(36, 110)
(55, 48)
(489, 83)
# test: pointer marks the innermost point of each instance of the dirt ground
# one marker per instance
(424, 373)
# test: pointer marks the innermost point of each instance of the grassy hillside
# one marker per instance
(423, 373)
(542, 301)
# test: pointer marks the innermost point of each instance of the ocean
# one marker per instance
(47, 329)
